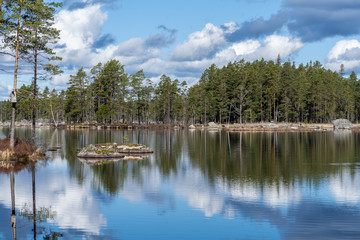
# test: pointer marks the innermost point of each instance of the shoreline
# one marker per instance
(246, 127)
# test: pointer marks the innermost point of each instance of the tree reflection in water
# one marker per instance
(37, 215)
(260, 177)
(262, 158)
(266, 157)
(29, 212)
(13, 214)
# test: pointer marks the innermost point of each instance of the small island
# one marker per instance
(115, 150)
(20, 156)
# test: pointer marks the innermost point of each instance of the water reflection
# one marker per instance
(13, 214)
(25, 216)
(345, 186)
(289, 185)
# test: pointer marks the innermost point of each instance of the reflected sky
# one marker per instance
(196, 185)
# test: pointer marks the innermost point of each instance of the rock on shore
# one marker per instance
(342, 124)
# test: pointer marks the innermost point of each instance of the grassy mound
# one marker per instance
(22, 152)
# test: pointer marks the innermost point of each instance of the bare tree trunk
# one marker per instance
(274, 99)
(205, 111)
(184, 113)
(12, 125)
(35, 94)
(168, 112)
(240, 114)
(13, 95)
(111, 103)
(52, 114)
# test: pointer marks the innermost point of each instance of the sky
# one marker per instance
(183, 38)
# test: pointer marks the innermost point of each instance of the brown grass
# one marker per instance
(22, 152)
(19, 147)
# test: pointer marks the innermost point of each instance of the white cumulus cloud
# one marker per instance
(5, 89)
(245, 47)
(78, 31)
(273, 46)
(200, 44)
(345, 52)
(80, 27)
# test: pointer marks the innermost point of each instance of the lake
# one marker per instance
(196, 185)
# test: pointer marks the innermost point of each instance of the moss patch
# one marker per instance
(103, 151)
(106, 148)
(132, 144)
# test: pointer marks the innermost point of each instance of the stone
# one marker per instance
(342, 124)
(272, 125)
(192, 126)
(212, 124)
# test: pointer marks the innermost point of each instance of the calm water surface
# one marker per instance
(196, 185)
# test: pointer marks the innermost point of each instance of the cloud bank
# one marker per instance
(83, 44)
(345, 52)
(309, 20)
(296, 24)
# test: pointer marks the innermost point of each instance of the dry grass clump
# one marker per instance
(6, 155)
(22, 152)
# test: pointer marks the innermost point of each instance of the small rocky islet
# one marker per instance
(114, 150)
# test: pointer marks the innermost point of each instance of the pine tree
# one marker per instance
(38, 26)
(18, 20)
(76, 103)
(13, 35)
(136, 81)
(110, 83)
(166, 92)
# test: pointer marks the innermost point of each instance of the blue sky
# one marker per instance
(183, 38)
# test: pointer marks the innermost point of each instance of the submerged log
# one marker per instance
(114, 150)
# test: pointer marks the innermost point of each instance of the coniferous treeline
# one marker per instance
(271, 91)
(238, 92)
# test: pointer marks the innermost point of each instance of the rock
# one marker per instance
(212, 124)
(192, 126)
(342, 124)
(272, 125)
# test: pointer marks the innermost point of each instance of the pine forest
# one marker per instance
(240, 92)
